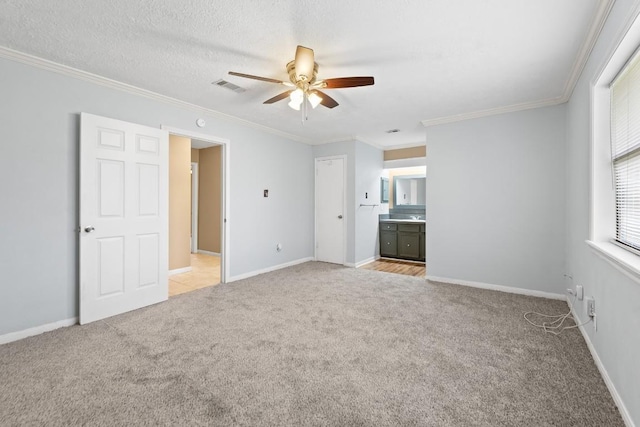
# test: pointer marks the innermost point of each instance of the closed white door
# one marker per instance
(123, 217)
(330, 218)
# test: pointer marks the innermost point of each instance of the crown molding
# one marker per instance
(493, 111)
(587, 47)
(65, 70)
(369, 142)
(347, 138)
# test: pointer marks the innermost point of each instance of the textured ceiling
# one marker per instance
(432, 60)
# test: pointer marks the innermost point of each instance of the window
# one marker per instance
(615, 155)
(625, 157)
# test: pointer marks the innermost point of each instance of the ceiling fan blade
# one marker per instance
(304, 63)
(249, 76)
(277, 98)
(341, 82)
(327, 101)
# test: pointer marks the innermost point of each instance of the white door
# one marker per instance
(123, 217)
(330, 218)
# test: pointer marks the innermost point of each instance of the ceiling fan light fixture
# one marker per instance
(295, 105)
(297, 96)
(314, 99)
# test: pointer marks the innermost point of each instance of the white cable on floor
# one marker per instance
(556, 327)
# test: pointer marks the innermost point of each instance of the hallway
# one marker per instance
(205, 272)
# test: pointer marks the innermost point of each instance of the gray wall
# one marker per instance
(369, 166)
(39, 189)
(617, 296)
(495, 200)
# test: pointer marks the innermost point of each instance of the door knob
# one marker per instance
(339, 216)
(89, 229)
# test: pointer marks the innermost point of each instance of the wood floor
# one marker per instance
(205, 272)
(398, 267)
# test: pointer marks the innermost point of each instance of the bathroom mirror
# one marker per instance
(384, 190)
(409, 192)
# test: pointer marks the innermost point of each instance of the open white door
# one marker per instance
(123, 217)
(330, 221)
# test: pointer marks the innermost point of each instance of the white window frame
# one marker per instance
(602, 226)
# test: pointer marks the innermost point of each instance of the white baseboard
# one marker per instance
(366, 261)
(200, 251)
(15, 336)
(269, 269)
(501, 288)
(626, 417)
(179, 271)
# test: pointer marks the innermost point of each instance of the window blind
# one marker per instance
(625, 150)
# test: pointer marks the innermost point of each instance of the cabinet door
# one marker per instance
(409, 245)
(422, 248)
(388, 243)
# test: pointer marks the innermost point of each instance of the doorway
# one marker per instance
(204, 252)
(202, 258)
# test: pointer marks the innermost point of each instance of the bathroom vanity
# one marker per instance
(402, 230)
(402, 238)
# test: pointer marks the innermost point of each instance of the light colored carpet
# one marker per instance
(314, 344)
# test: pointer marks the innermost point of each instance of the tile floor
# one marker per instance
(205, 272)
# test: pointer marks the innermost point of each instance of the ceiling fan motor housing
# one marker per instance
(291, 70)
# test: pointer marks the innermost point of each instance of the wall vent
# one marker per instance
(228, 85)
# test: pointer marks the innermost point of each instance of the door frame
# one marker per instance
(345, 214)
(225, 205)
(194, 207)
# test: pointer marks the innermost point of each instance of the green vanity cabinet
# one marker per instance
(402, 240)
(389, 243)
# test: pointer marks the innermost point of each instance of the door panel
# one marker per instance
(111, 266)
(330, 221)
(123, 217)
(148, 248)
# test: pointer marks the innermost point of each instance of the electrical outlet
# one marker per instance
(580, 292)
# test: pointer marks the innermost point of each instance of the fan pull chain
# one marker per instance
(305, 116)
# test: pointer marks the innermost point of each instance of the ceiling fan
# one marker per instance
(305, 88)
